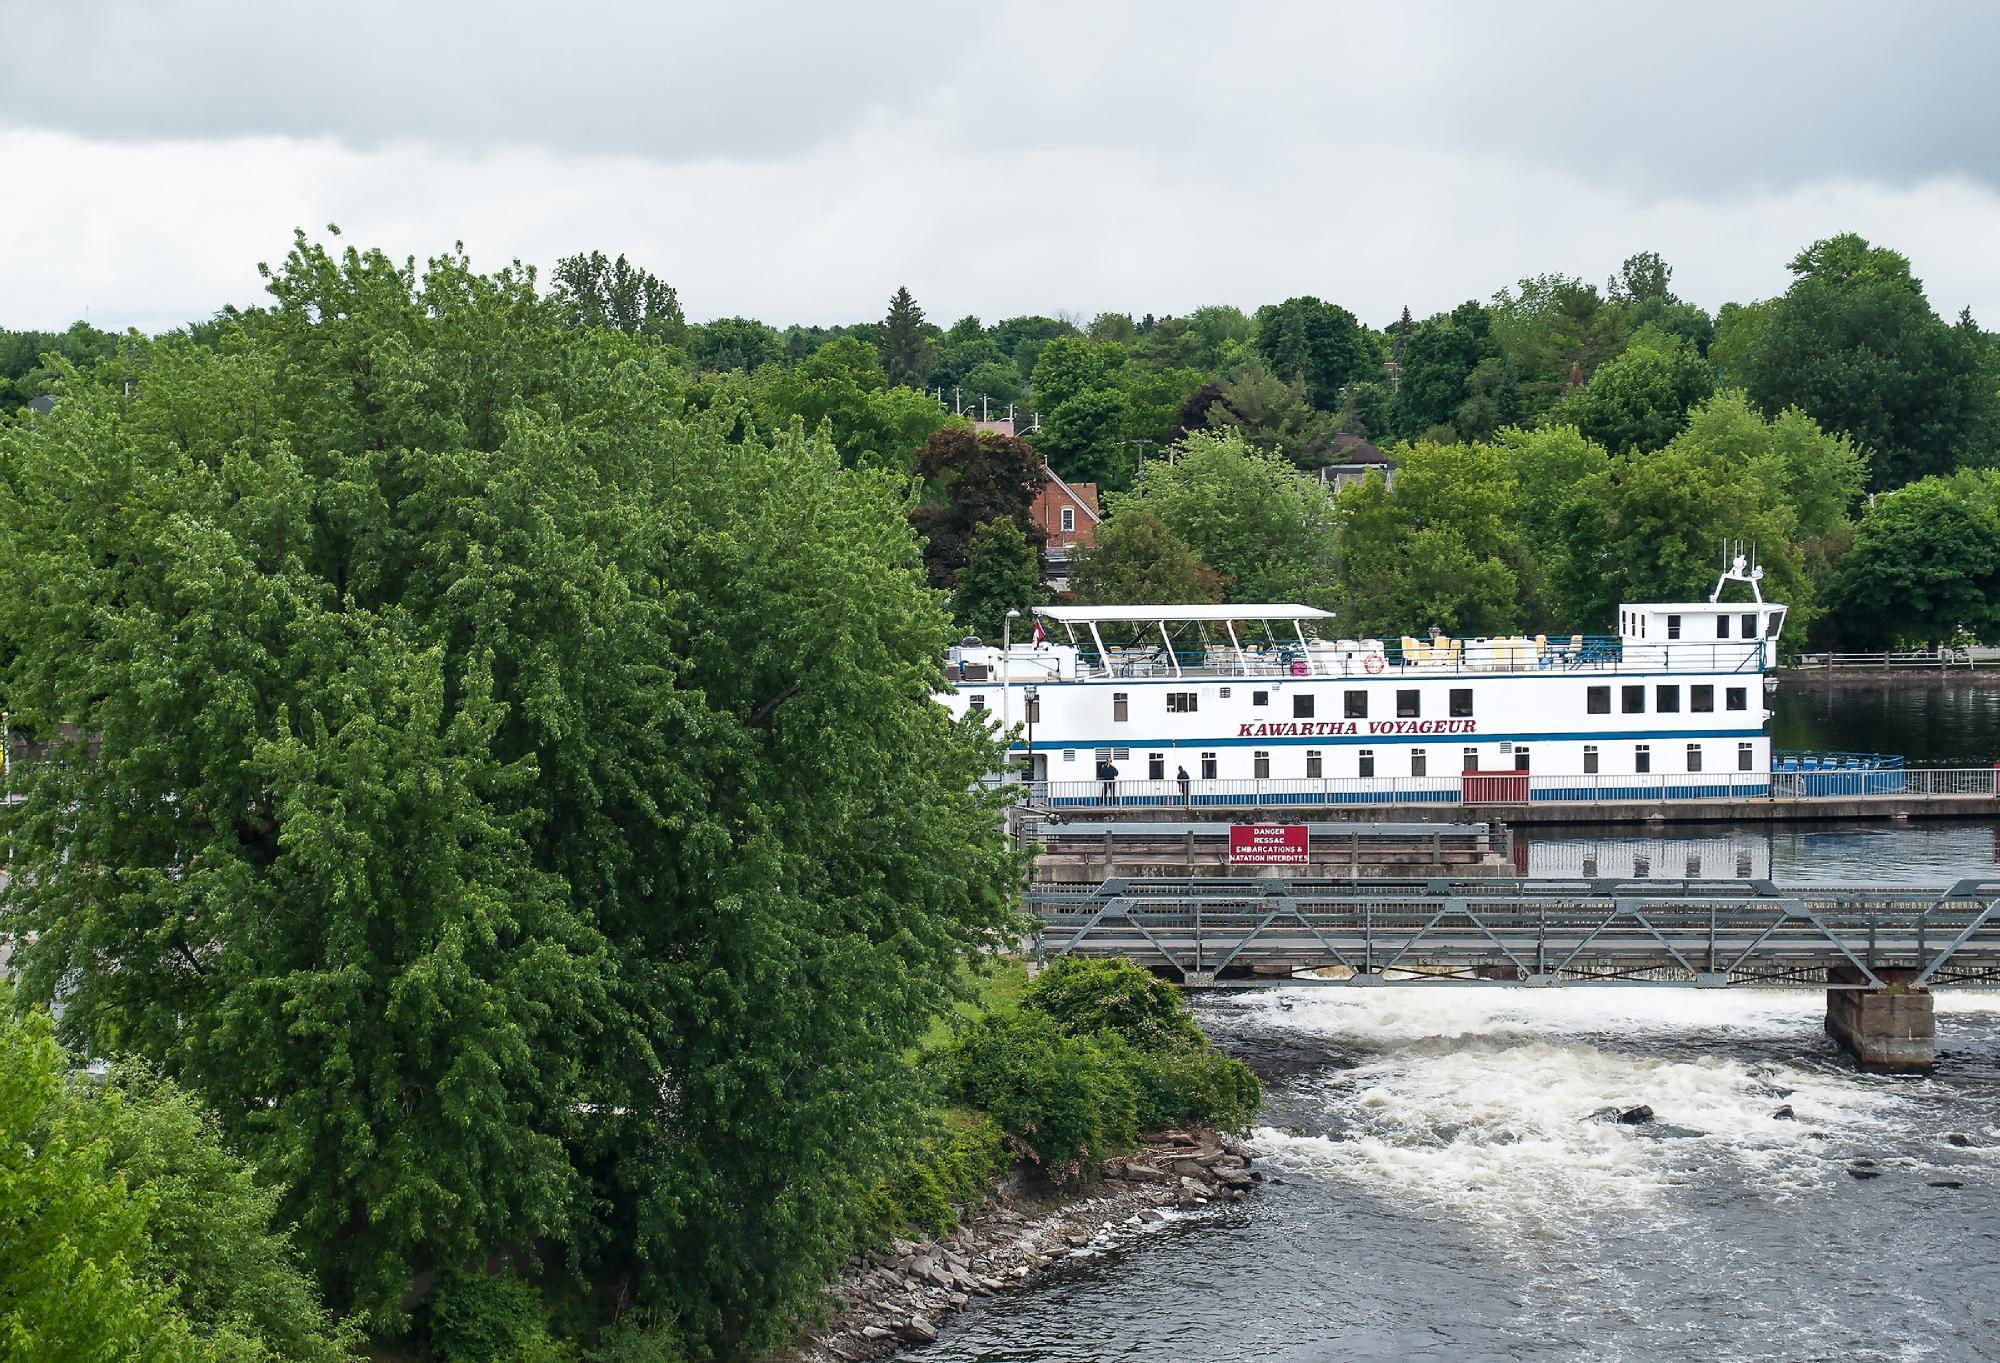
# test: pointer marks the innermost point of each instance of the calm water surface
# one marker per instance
(1933, 723)
(1444, 1196)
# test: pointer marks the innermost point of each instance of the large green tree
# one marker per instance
(1855, 345)
(1139, 560)
(1639, 400)
(1079, 390)
(1247, 514)
(617, 293)
(873, 424)
(516, 804)
(1925, 564)
(1438, 548)
(1318, 344)
(1003, 572)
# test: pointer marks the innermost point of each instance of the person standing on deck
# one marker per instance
(1180, 775)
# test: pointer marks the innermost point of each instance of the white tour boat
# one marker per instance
(1226, 705)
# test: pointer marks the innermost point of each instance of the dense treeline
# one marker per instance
(1678, 425)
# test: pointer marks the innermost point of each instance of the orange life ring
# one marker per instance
(1373, 663)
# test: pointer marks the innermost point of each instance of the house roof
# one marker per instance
(1352, 449)
(1083, 494)
(44, 403)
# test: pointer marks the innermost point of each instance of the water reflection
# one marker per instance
(1920, 852)
(1934, 723)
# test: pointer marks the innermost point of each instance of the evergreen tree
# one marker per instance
(905, 349)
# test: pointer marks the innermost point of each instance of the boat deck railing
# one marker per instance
(1517, 788)
(1417, 659)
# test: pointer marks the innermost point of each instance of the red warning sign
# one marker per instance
(1270, 844)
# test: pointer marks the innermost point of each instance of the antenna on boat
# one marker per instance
(1739, 567)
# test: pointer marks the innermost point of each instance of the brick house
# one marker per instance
(1067, 515)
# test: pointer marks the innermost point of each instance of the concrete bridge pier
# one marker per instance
(1888, 1030)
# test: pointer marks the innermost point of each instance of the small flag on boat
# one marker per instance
(1041, 635)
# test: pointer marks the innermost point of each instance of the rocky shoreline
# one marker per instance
(896, 1297)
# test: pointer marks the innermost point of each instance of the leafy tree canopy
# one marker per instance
(1639, 400)
(969, 478)
(1247, 514)
(615, 293)
(1854, 344)
(1003, 571)
(1925, 565)
(1139, 560)
(515, 803)
(1318, 344)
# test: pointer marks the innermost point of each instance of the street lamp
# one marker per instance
(1032, 699)
(1007, 672)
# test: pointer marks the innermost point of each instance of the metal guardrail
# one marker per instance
(1502, 788)
(1968, 657)
(1701, 934)
(1388, 658)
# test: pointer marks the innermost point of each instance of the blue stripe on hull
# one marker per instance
(1426, 797)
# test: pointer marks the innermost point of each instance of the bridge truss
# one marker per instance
(1695, 934)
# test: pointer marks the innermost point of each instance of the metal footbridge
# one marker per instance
(1207, 931)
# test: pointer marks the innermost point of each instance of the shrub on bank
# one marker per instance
(1063, 1101)
(489, 1318)
(955, 1166)
(1086, 996)
(1097, 1052)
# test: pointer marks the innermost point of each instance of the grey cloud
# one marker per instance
(1689, 99)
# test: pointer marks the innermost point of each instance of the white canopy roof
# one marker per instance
(1079, 615)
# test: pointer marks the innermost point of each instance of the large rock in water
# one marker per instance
(1635, 1116)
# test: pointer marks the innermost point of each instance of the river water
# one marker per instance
(1439, 1191)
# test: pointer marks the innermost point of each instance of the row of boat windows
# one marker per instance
(1634, 625)
(1305, 704)
(1666, 699)
(1409, 704)
(1694, 757)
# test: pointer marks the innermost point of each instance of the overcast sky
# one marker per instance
(797, 162)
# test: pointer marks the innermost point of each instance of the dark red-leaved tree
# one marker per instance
(971, 477)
